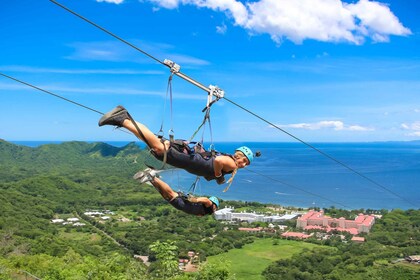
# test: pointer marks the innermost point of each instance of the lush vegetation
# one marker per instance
(249, 262)
(65, 180)
(393, 237)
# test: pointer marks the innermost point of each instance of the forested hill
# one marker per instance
(37, 182)
(65, 153)
(67, 157)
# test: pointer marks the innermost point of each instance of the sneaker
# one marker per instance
(146, 175)
(114, 117)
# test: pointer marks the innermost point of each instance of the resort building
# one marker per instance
(258, 229)
(296, 235)
(317, 220)
(227, 214)
(358, 239)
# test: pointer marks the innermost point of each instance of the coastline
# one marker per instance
(293, 175)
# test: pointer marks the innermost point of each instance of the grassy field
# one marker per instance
(248, 263)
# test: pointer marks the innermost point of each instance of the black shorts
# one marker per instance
(189, 207)
(192, 163)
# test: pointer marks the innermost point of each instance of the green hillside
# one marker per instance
(249, 262)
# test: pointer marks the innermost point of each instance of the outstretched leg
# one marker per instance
(148, 137)
(164, 189)
(120, 117)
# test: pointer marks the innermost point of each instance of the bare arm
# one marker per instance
(224, 163)
(205, 201)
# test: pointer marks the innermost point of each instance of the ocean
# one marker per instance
(383, 175)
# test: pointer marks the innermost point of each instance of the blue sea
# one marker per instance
(383, 175)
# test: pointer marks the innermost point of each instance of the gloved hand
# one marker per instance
(220, 180)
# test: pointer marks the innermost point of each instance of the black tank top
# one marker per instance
(193, 163)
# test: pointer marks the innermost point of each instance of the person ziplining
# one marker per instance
(198, 206)
(210, 165)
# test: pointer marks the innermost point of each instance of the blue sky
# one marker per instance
(324, 70)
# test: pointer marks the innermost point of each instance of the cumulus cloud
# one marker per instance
(377, 20)
(298, 20)
(413, 128)
(111, 1)
(335, 125)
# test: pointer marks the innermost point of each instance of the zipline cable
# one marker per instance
(106, 31)
(49, 92)
(86, 107)
(56, 95)
(181, 75)
(321, 152)
(234, 103)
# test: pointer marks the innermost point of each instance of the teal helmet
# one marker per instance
(215, 201)
(247, 152)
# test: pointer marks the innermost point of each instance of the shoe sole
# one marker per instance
(110, 114)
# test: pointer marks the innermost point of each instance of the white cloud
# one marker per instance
(168, 4)
(411, 126)
(233, 8)
(298, 20)
(335, 125)
(377, 20)
(185, 60)
(59, 89)
(111, 1)
(115, 51)
(323, 20)
(102, 51)
(221, 29)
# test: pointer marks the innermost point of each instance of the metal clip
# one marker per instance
(216, 91)
(174, 67)
(171, 136)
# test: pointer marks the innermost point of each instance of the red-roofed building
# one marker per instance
(251, 229)
(297, 235)
(358, 239)
(317, 220)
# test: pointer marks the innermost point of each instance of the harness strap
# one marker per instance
(207, 116)
(191, 190)
(138, 130)
(171, 131)
(231, 180)
(187, 197)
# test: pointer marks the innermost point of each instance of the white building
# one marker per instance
(224, 214)
(227, 214)
(93, 213)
